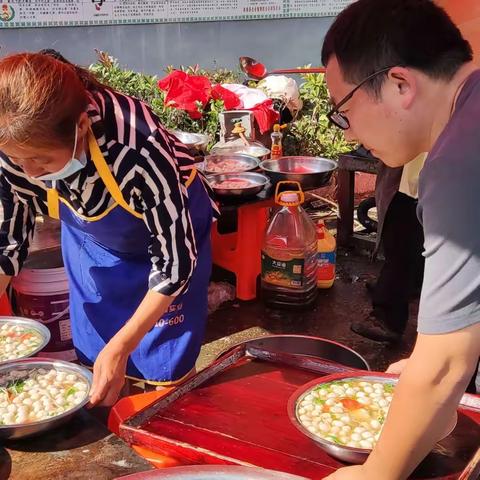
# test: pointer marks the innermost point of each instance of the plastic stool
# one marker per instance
(240, 252)
(128, 406)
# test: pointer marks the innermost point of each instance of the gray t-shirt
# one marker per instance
(449, 209)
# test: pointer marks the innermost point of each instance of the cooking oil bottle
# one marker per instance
(289, 253)
(326, 256)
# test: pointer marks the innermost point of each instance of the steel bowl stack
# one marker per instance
(234, 168)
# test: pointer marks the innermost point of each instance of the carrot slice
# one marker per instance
(350, 404)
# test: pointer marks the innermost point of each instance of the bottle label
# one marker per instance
(326, 265)
(276, 151)
(284, 273)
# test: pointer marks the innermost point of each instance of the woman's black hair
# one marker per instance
(88, 78)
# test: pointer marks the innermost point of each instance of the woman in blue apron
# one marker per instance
(135, 217)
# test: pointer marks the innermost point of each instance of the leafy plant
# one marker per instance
(310, 133)
(144, 87)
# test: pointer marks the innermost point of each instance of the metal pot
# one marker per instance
(257, 184)
(310, 172)
(255, 149)
(239, 163)
(306, 346)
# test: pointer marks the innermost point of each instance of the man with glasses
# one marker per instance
(402, 82)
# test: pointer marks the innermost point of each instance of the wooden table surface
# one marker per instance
(80, 449)
(240, 417)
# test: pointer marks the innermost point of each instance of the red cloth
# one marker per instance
(186, 91)
(265, 115)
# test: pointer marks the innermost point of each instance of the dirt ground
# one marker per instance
(330, 318)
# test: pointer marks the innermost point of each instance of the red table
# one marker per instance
(234, 412)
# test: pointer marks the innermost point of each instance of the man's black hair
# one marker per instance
(373, 34)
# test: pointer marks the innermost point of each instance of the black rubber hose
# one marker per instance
(362, 214)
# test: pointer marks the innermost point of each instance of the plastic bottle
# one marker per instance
(276, 136)
(326, 256)
(289, 254)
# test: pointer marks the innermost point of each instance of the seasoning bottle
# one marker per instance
(326, 254)
(276, 136)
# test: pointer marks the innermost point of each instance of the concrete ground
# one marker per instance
(335, 309)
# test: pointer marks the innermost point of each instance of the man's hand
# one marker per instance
(350, 473)
(108, 375)
(397, 367)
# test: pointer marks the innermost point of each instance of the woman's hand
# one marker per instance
(356, 472)
(108, 375)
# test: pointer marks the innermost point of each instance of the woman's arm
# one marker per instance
(110, 365)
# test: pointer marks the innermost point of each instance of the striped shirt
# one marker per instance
(151, 168)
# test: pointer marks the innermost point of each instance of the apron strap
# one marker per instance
(191, 178)
(53, 203)
(108, 180)
(106, 175)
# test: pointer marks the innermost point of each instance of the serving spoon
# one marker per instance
(257, 70)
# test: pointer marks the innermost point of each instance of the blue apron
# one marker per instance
(108, 265)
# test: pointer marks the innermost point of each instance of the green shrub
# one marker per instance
(309, 134)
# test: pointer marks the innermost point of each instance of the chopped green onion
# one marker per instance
(16, 386)
(388, 387)
(70, 391)
(335, 439)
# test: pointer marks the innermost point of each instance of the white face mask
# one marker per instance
(71, 167)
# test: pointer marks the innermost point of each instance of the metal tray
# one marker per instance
(343, 453)
(30, 324)
(8, 432)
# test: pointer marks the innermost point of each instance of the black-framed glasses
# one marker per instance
(339, 119)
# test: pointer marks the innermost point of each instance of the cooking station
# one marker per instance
(235, 413)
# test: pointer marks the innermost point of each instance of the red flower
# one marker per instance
(185, 91)
(230, 99)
